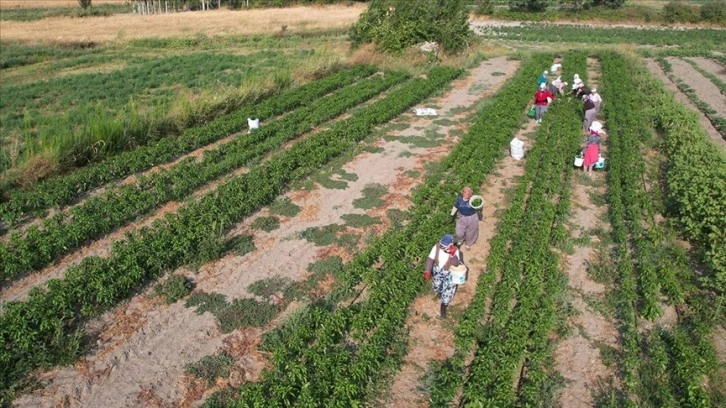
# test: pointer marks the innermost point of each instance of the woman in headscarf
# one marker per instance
(596, 99)
(576, 84)
(467, 225)
(592, 147)
(558, 86)
(443, 256)
(588, 112)
(542, 99)
(542, 79)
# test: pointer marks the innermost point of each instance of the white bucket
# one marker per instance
(579, 161)
(458, 274)
(516, 148)
(252, 124)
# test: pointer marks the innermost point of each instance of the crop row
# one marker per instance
(718, 122)
(721, 85)
(98, 215)
(693, 39)
(46, 329)
(524, 311)
(316, 364)
(65, 190)
(640, 257)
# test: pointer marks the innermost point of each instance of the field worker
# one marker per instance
(588, 112)
(443, 256)
(576, 84)
(596, 99)
(592, 147)
(467, 225)
(542, 79)
(558, 86)
(542, 99)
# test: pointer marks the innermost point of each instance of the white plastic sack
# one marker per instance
(252, 124)
(516, 148)
(425, 112)
(555, 67)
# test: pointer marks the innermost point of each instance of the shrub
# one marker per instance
(528, 5)
(394, 25)
(678, 12)
(714, 11)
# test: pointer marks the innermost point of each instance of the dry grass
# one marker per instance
(28, 4)
(215, 22)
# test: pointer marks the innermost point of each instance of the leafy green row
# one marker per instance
(523, 312)
(378, 321)
(65, 190)
(46, 329)
(64, 232)
(637, 238)
(449, 376)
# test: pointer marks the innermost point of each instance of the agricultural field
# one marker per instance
(155, 251)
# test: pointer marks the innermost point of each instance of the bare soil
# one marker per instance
(706, 124)
(706, 90)
(710, 66)
(143, 345)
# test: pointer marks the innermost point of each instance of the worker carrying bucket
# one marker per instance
(443, 258)
(469, 210)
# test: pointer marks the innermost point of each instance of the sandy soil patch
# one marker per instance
(706, 124)
(214, 22)
(710, 66)
(145, 365)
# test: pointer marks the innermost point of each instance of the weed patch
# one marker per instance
(268, 224)
(284, 207)
(210, 368)
(372, 194)
(322, 236)
(175, 288)
(360, 220)
(240, 245)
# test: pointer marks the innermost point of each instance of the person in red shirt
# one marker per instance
(542, 98)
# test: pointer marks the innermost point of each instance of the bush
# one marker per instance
(528, 5)
(678, 12)
(394, 25)
(714, 11)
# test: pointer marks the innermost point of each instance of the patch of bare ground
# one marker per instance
(577, 357)
(710, 66)
(718, 379)
(124, 27)
(706, 90)
(706, 124)
(146, 363)
(18, 290)
(431, 339)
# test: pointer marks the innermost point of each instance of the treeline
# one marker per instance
(167, 6)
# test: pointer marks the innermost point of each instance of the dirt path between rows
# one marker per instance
(706, 124)
(706, 90)
(432, 339)
(578, 357)
(711, 67)
(143, 345)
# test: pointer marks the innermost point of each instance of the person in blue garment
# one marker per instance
(542, 79)
(467, 224)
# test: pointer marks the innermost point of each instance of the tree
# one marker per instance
(394, 25)
(84, 3)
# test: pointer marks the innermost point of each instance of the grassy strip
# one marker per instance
(47, 328)
(65, 190)
(99, 215)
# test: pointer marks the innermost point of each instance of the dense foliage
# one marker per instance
(394, 25)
